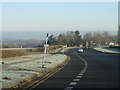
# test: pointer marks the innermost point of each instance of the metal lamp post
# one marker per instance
(45, 50)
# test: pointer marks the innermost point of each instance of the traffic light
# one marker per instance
(47, 34)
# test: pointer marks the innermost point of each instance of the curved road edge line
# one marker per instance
(86, 64)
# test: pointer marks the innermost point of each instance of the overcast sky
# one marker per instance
(57, 16)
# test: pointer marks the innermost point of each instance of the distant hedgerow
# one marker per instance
(12, 53)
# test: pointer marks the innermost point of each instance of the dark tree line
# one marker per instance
(100, 38)
(71, 38)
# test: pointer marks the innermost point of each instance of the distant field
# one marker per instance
(15, 48)
(14, 52)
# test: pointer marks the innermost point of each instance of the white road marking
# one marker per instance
(73, 83)
(78, 76)
(83, 71)
(85, 67)
(82, 59)
(68, 88)
(76, 80)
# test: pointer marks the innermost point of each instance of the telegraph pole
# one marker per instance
(45, 50)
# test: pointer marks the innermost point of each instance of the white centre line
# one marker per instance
(68, 88)
(83, 71)
(76, 80)
(73, 83)
(79, 77)
(80, 74)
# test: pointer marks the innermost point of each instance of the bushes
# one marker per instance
(39, 49)
(25, 51)
(55, 46)
(34, 50)
(12, 53)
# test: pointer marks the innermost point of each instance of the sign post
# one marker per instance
(45, 50)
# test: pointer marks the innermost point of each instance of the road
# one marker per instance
(90, 69)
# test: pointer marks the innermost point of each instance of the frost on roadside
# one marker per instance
(22, 58)
(14, 74)
(105, 50)
(11, 78)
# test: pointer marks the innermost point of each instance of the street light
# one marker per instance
(45, 50)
